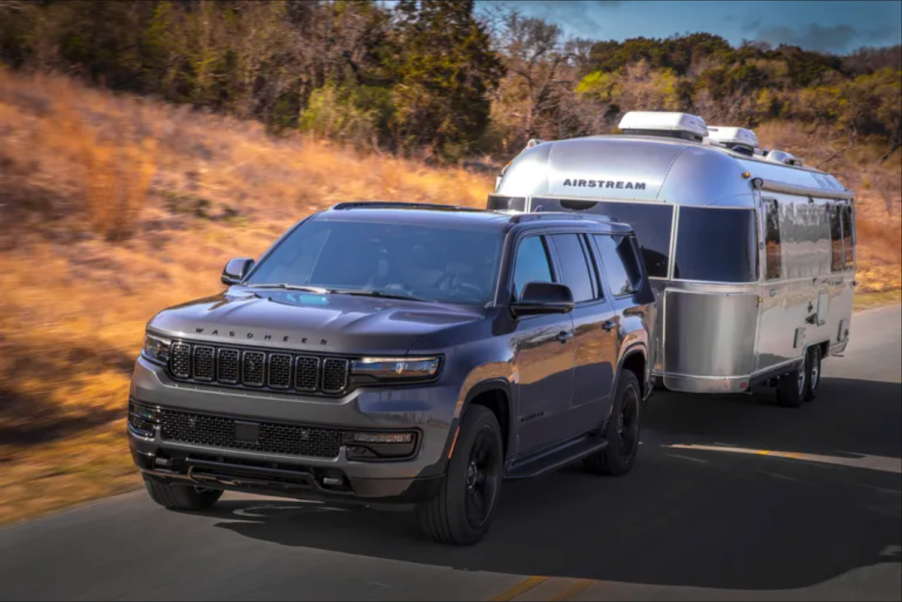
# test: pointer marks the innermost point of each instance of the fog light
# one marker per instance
(142, 419)
(383, 437)
(375, 446)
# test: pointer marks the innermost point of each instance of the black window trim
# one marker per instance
(758, 236)
(835, 207)
(763, 236)
(549, 252)
(848, 209)
(641, 264)
(560, 271)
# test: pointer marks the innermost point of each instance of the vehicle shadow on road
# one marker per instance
(684, 517)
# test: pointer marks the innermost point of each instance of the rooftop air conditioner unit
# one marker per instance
(733, 136)
(778, 156)
(671, 125)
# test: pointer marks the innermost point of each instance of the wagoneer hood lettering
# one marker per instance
(326, 323)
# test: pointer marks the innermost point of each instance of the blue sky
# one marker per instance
(836, 27)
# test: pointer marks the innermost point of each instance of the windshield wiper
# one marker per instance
(293, 287)
(374, 293)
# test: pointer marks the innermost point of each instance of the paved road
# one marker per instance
(804, 505)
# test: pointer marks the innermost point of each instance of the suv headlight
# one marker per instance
(393, 369)
(156, 349)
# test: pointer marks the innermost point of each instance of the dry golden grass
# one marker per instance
(114, 207)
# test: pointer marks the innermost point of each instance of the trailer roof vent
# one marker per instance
(778, 156)
(670, 125)
(731, 137)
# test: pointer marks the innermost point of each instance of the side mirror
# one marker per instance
(543, 298)
(236, 269)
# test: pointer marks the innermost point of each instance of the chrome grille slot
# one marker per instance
(180, 360)
(307, 373)
(335, 375)
(219, 431)
(279, 371)
(204, 360)
(228, 366)
(253, 365)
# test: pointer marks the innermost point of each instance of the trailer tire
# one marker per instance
(181, 497)
(621, 432)
(792, 387)
(813, 367)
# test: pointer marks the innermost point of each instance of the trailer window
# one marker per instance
(716, 245)
(618, 260)
(836, 238)
(773, 248)
(848, 236)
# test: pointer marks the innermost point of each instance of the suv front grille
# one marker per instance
(218, 431)
(258, 369)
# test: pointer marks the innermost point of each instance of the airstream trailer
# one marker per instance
(752, 253)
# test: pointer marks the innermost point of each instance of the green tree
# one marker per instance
(445, 70)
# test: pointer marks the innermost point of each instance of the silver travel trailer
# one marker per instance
(752, 254)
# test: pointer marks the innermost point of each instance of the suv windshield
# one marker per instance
(450, 265)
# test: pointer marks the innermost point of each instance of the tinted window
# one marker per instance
(847, 236)
(618, 260)
(574, 266)
(773, 249)
(836, 236)
(451, 265)
(532, 264)
(716, 245)
(652, 223)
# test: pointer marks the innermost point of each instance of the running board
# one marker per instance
(553, 459)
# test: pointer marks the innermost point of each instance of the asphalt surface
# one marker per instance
(732, 498)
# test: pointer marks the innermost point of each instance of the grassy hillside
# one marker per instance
(113, 207)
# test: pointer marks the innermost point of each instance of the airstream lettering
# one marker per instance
(752, 253)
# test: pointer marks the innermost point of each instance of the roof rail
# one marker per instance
(400, 205)
(528, 217)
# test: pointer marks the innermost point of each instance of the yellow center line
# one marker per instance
(520, 588)
(763, 452)
(571, 591)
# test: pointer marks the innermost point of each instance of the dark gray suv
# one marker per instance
(409, 353)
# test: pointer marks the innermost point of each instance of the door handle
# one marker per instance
(609, 325)
(563, 337)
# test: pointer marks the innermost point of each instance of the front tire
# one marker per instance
(813, 367)
(462, 511)
(181, 497)
(621, 432)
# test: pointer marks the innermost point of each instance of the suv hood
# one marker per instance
(302, 321)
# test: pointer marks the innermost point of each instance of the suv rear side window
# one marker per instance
(619, 262)
(532, 264)
(574, 266)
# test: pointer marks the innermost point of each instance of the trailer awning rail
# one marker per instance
(820, 193)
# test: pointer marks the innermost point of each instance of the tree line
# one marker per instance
(439, 78)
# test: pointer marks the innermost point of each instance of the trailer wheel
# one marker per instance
(813, 366)
(792, 387)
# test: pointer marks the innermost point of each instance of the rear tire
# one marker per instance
(813, 367)
(181, 497)
(792, 387)
(462, 511)
(621, 432)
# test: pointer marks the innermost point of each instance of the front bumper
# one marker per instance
(427, 409)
